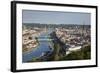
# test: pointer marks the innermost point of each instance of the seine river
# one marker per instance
(44, 46)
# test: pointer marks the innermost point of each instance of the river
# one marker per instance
(44, 46)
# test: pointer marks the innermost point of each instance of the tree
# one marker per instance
(30, 38)
(56, 51)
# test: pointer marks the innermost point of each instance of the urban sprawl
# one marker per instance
(72, 35)
(76, 36)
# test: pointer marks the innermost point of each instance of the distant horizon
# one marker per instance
(56, 24)
(55, 17)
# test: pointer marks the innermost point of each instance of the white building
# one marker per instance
(73, 49)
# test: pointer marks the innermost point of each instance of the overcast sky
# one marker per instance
(54, 17)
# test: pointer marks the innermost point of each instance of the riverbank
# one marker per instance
(43, 50)
(32, 46)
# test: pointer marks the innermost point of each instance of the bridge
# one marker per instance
(45, 39)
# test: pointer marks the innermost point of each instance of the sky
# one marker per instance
(55, 17)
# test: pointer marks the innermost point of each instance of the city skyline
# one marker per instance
(55, 17)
